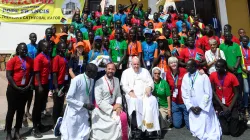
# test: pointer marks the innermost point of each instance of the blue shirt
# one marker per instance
(122, 17)
(32, 50)
(96, 53)
(84, 30)
(148, 50)
(179, 25)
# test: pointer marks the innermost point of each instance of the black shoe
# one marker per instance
(9, 137)
(36, 133)
(138, 134)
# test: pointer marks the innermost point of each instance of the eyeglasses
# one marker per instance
(157, 73)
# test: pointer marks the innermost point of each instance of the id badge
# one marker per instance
(148, 63)
(49, 76)
(223, 100)
(192, 94)
(175, 93)
(118, 58)
(66, 77)
(120, 67)
(80, 61)
(23, 80)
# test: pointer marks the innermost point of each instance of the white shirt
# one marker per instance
(211, 56)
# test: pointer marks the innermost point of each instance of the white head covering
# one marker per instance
(156, 68)
(105, 59)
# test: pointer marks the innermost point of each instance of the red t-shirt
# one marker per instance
(205, 41)
(135, 21)
(59, 66)
(42, 64)
(230, 81)
(195, 53)
(170, 80)
(97, 27)
(16, 65)
(246, 52)
(98, 14)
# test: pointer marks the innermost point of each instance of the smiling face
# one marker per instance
(156, 74)
(110, 70)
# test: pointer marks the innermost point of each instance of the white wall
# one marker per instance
(12, 33)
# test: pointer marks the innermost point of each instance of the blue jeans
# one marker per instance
(246, 93)
(178, 112)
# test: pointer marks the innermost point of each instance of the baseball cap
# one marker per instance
(98, 37)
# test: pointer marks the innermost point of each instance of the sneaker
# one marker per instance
(36, 133)
(57, 127)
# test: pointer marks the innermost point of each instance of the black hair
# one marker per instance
(245, 37)
(229, 26)
(59, 46)
(19, 46)
(222, 61)
(32, 34)
(193, 62)
(91, 67)
(41, 45)
(48, 29)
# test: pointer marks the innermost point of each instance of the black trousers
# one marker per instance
(231, 125)
(40, 100)
(58, 103)
(16, 104)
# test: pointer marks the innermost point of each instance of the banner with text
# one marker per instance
(39, 11)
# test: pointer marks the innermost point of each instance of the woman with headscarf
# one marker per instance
(162, 93)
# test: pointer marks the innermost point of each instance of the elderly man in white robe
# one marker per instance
(138, 85)
(109, 122)
(75, 123)
(197, 96)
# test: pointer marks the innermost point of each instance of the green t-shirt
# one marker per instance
(85, 36)
(231, 54)
(99, 32)
(186, 17)
(77, 25)
(92, 21)
(141, 13)
(182, 40)
(108, 19)
(161, 92)
(118, 49)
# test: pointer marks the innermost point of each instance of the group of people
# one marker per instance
(132, 69)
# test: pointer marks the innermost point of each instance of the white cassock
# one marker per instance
(75, 124)
(106, 125)
(206, 125)
(147, 113)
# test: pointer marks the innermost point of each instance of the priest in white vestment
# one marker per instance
(109, 122)
(75, 123)
(138, 85)
(197, 96)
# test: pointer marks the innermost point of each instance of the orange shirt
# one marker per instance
(126, 28)
(163, 61)
(158, 25)
(134, 48)
(55, 38)
(182, 34)
(146, 22)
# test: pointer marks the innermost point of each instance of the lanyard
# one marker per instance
(175, 80)
(87, 87)
(245, 52)
(192, 81)
(117, 47)
(23, 67)
(191, 52)
(110, 91)
(221, 83)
